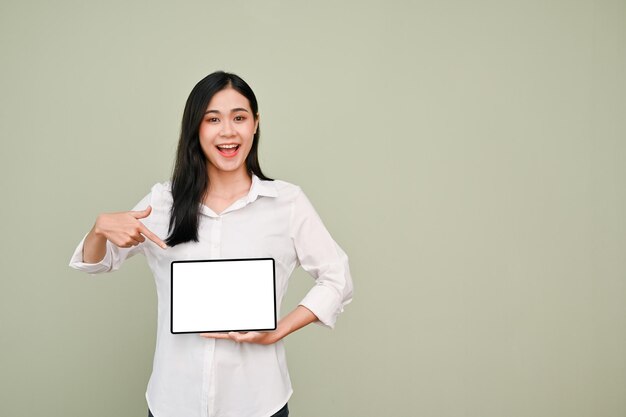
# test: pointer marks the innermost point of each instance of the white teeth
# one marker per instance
(227, 146)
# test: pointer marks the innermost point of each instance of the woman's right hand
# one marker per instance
(124, 229)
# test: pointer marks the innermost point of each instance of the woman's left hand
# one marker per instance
(298, 318)
(262, 338)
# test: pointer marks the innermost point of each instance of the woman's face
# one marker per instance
(227, 130)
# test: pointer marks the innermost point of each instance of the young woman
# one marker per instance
(219, 205)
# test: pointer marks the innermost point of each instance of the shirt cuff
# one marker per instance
(76, 260)
(323, 302)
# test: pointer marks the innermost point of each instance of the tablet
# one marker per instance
(223, 295)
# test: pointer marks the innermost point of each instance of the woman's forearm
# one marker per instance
(298, 318)
(94, 248)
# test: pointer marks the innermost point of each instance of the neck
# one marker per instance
(228, 183)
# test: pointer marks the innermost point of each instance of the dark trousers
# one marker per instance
(283, 412)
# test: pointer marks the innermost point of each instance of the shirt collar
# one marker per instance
(258, 188)
(261, 187)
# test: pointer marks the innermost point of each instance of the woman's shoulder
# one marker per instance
(285, 189)
(162, 191)
(163, 186)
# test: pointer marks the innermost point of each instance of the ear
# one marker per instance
(256, 124)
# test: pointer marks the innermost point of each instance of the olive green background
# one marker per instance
(469, 156)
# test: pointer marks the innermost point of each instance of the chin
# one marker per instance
(229, 167)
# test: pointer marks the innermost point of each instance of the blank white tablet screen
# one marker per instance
(223, 295)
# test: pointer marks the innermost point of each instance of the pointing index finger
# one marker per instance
(147, 233)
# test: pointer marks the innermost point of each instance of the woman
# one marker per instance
(219, 205)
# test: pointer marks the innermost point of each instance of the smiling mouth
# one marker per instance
(228, 150)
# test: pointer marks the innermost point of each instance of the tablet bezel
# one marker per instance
(221, 260)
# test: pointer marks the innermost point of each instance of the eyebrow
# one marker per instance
(232, 111)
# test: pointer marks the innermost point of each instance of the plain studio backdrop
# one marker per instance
(469, 156)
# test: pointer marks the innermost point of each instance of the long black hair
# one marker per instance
(190, 180)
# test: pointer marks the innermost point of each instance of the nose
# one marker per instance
(227, 129)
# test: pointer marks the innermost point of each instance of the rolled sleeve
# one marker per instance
(324, 260)
(114, 256)
(76, 261)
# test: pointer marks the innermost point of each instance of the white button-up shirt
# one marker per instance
(193, 376)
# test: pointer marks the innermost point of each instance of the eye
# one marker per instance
(212, 119)
(240, 118)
